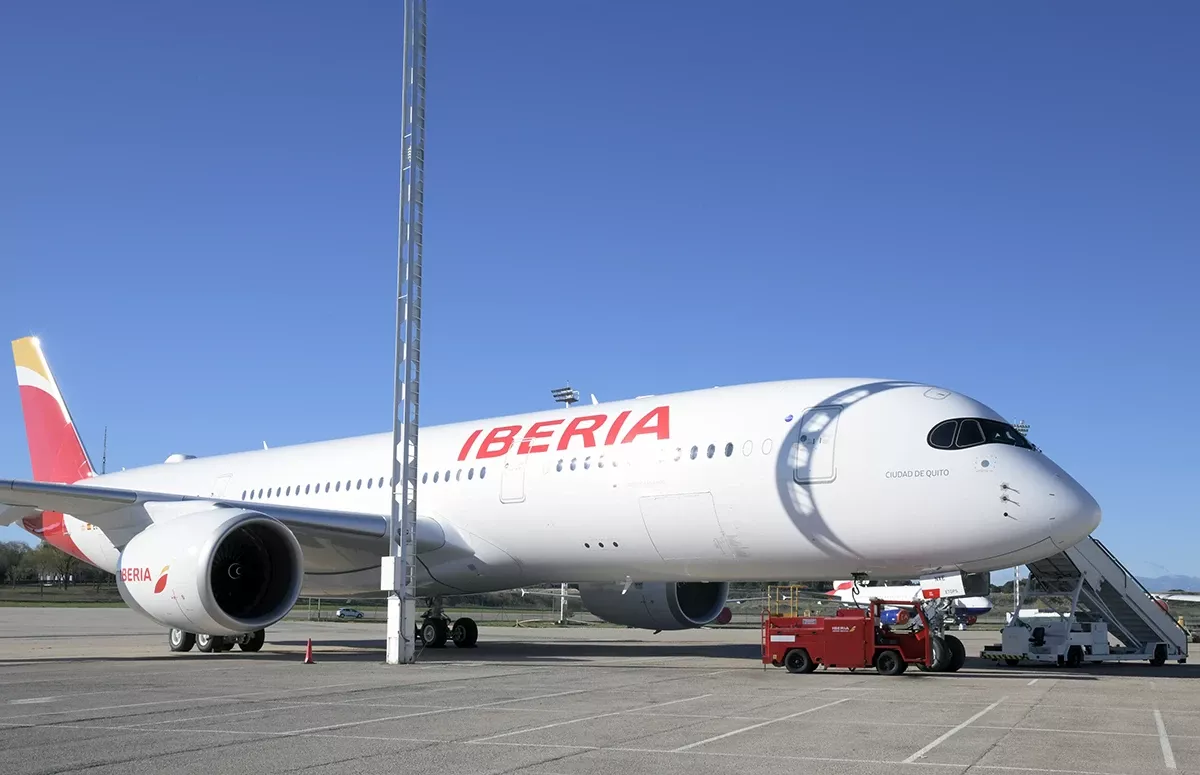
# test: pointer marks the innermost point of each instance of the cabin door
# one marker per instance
(813, 443)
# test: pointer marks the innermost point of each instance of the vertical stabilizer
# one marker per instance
(55, 450)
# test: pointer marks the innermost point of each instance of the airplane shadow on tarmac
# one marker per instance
(584, 654)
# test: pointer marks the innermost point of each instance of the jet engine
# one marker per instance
(217, 572)
(656, 605)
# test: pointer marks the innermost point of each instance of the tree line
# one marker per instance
(21, 563)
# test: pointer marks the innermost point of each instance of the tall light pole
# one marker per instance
(397, 567)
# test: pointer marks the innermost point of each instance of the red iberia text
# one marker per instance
(580, 432)
(135, 574)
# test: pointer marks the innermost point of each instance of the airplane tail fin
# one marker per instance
(56, 452)
(840, 586)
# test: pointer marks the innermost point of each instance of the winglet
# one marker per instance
(56, 452)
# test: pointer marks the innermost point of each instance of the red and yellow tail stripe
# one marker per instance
(56, 452)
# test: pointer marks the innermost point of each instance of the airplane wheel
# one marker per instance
(255, 641)
(941, 656)
(205, 643)
(434, 632)
(958, 654)
(465, 633)
(179, 640)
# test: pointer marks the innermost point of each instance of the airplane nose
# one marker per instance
(1074, 514)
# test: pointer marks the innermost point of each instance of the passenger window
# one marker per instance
(559, 466)
(243, 495)
(306, 488)
(712, 448)
(729, 449)
(435, 477)
(357, 486)
(587, 462)
(471, 472)
(458, 475)
(381, 482)
(969, 434)
(695, 450)
(942, 435)
(572, 464)
(424, 477)
(483, 472)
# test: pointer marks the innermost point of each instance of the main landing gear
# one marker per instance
(949, 655)
(435, 628)
(179, 640)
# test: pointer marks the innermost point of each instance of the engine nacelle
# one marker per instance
(658, 605)
(217, 572)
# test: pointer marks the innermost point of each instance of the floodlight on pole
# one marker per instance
(565, 395)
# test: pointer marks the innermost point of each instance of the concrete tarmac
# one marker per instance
(96, 690)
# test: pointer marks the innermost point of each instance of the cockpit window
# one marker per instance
(973, 431)
(1003, 433)
(969, 434)
(942, 435)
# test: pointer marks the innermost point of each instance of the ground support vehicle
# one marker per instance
(1087, 607)
(856, 638)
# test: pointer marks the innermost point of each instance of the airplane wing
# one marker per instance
(1178, 597)
(122, 513)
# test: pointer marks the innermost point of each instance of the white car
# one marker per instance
(348, 613)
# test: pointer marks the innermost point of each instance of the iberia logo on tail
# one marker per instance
(161, 584)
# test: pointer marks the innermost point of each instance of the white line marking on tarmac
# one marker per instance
(1031, 683)
(943, 738)
(760, 724)
(217, 698)
(1164, 741)
(32, 700)
(587, 718)
(772, 757)
(345, 724)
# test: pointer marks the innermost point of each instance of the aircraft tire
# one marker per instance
(942, 656)
(255, 641)
(205, 643)
(180, 641)
(434, 633)
(958, 654)
(464, 633)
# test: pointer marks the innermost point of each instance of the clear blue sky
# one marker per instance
(197, 214)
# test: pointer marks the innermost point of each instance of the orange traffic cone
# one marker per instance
(308, 660)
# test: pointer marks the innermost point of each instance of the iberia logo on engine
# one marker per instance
(143, 574)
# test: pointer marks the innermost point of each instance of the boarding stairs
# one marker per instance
(1101, 589)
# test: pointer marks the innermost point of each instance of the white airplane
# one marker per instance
(652, 506)
(965, 609)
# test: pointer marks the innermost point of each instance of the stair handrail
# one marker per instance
(1149, 595)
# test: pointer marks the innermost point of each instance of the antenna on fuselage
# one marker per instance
(104, 452)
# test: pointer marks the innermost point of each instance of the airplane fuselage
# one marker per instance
(803, 479)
